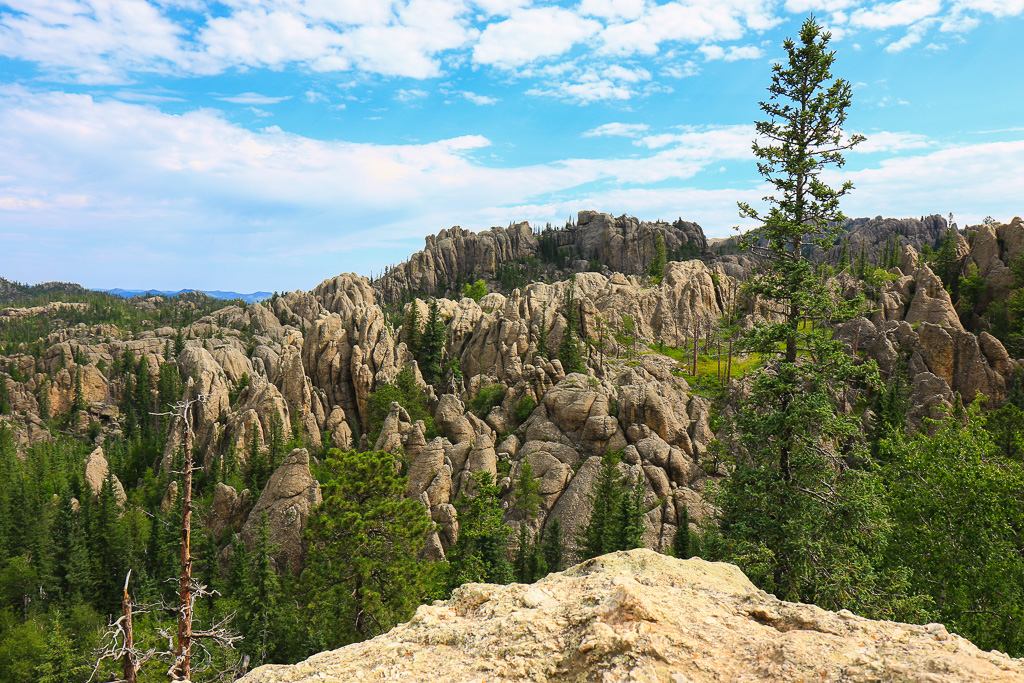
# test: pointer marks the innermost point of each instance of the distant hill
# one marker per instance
(13, 291)
(213, 294)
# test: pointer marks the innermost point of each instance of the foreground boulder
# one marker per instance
(642, 616)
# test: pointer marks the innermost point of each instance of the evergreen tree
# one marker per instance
(78, 402)
(795, 515)
(959, 528)
(412, 329)
(432, 344)
(179, 343)
(630, 520)
(259, 467)
(257, 604)
(74, 575)
(681, 541)
(108, 548)
(862, 261)
(5, 396)
(947, 266)
(551, 545)
(570, 351)
(62, 664)
(660, 258)
(617, 511)
(363, 573)
(542, 333)
(479, 552)
(44, 399)
(529, 562)
(526, 498)
(275, 444)
(890, 409)
(143, 399)
(844, 255)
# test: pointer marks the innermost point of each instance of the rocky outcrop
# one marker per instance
(228, 510)
(290, 495)
(347, 356)
(873, 234)
(344, 292)
(624, 245)
(96, 472)
(453, 253)
(641, 616)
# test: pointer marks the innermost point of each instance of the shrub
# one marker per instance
(525, 408)
(404, 390)
(487, 398)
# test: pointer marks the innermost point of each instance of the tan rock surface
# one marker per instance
(288, 498)
(640, 616)
(96, 471)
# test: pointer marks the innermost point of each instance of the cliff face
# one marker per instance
(641, 616)
(624, 244)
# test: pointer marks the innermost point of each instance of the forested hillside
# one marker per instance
(527, 430)
(838, 409)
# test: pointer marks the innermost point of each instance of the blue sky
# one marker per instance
(269, 144)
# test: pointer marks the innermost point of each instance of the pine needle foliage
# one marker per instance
(363, 572)
(802, 512)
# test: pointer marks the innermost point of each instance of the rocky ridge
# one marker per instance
(314, 358)
(641, 616)
(623, 244)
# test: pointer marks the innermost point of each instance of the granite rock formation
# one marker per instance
(640, 616)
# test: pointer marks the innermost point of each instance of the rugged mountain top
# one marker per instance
(642, 616)
(623, 244)
(873, 235)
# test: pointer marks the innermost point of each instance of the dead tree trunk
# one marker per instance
(696, 344)
(182, 669)
(129, 660)
(728, 368)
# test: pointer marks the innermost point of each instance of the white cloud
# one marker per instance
(972, 181)
(710, 142)
(805, 6)
(168, 184)
(500, 7)
(315, 97)
(529, 34)
(685, 70)
(733, 54)
(900, 13)
(403, 95)
(628, 130)
(99, 41)
(594, 84)
(410, 47)
(479, 99)
(914, 36)
(885, 141)
(142, 96)
(262, 38)
(688, 22)
(997, 8)
(613, 9)
(253, 98)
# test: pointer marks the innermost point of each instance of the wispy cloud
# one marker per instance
(733, 53)
(628, 130)
(253, 98)
(410, 95)
(479, 99)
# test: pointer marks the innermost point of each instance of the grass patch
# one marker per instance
(707, 364)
